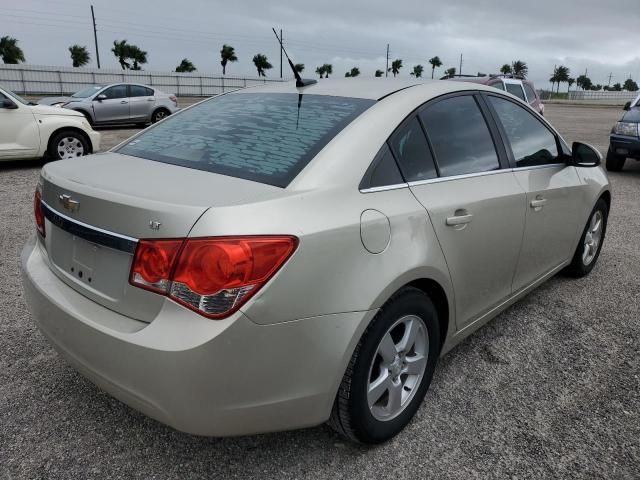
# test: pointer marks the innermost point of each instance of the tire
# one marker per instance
(615, 162)
(159, 114)
(581, 265)
(68, 144)
(352, 416)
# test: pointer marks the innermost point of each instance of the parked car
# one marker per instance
(30, 131)
(278, 257)
(118, 103)
(624, 141)
(515, 85)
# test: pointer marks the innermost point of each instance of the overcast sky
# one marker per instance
(602, 36)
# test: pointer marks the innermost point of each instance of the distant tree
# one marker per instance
(299, 67)
(262, 63)
(506, 69)
(435, 63)
(630, 86)
(450, 72)
(328, 70)
(320, 71)
(561, 74)
(596, 87)
(553, 78)
(570, 82)
(354, 72)
(520, 68)
(396, 65)
(379, 73)
(10, 51)
(138, 56)
(583, 82)
(79, 55)
(417, 71)
(186, 66)
(125, 51)
(616, 87)
(227, 54)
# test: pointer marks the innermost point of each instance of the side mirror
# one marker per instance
(584, 155)
(101, 97)
(627, 106)
(8, 104)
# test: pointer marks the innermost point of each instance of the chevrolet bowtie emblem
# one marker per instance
(68, 203)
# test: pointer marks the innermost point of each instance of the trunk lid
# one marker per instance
(97, 207)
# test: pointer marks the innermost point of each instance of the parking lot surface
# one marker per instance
(549, 389)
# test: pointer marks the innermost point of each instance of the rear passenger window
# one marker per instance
(410, 147)
(497, 85)
(531, 94)
(383, 171)
(531, 142)
(515, 89)
(140, 91)
(459, 137)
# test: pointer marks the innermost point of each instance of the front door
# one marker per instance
(476, 207)
(552, 223)
(114, 108)
(19, 133)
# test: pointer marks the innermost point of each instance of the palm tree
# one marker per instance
(79, 55)
(379, 73)
(450, 72)
(299, 67)
(584, 82)
(138, 56)
(121, 51)
(262, 64)
(320, 71)
(418, 69)
(186, 66)
(227, 54)
(435, 63)
(570, 82)
(554, 78)
(328, 69)
(354, 72)
(506, 69)
(396, 65)
(520, 68)
(562, 75)
(10, 51)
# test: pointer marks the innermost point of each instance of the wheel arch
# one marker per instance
(606, 196)
(72, 129)
(86, 113)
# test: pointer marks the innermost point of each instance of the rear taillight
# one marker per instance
(38, 212)
(212, 276)
(173, 99)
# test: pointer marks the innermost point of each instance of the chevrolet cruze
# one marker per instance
(282, 256)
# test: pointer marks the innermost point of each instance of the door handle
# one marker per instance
(459, 219)
(538, 203)
(124, 101)
(151, 99)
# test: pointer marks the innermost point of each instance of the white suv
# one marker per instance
(33, 131)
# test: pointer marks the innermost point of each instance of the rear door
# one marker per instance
(141, 102)
(551, 186)
(475, 205)
(114, 108)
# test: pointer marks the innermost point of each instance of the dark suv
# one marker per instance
(624, 141)
(515, 85)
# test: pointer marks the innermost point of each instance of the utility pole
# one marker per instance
(386, 70)
(281, 53)
(609, 83)
(95, 36)
(460, 69)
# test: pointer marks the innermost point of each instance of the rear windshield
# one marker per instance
(264, 137)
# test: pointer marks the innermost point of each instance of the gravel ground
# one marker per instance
(550, 388)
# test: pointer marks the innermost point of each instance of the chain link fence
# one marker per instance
(43, 80)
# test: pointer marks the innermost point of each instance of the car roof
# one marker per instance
(368, 88)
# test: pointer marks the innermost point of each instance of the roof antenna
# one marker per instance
(300, 82)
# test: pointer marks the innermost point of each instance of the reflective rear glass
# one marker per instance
(264, 137)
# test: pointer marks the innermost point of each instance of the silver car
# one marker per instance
(118, 103)
(278, 257)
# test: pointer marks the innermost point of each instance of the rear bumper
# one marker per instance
(621, 144)
(218, 378)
